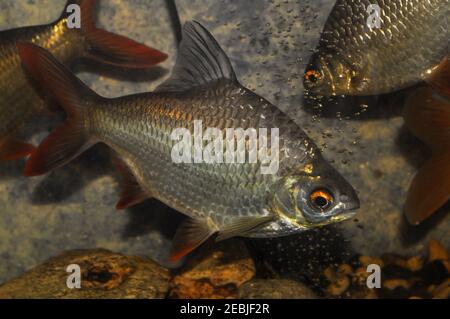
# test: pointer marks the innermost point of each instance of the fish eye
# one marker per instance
(321, 199)
(312, 76)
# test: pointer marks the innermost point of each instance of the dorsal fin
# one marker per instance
(200, 61)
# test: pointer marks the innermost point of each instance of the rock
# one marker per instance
(104, 274)
(415, 263)
(345, 269)
(367, 260)
(339, 286)
(216, 272)
(436, 251)
(434, 272)
(443, 290)
(330, 273)
(360, 276)
(392, 284)
(275, 289)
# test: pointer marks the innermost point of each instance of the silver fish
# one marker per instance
(356, 56)
(223, 199)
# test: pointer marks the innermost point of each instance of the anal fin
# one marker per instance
(190, 235)
(132, 193)
(12, 148)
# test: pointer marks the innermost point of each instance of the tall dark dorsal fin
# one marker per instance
(200, 61)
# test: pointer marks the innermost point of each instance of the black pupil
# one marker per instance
(312, 78)
(321, 201)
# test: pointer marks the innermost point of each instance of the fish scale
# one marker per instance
(137, 142)
(413, 38)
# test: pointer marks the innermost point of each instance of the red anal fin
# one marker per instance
(430, 189)
(440, 77)
(12, 149)
(132, 193)
(190, 235)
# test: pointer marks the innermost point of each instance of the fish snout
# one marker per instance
(350, 201)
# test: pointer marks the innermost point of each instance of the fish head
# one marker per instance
(314, 195)
(329, 75)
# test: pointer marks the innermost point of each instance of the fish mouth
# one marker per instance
(344, 216)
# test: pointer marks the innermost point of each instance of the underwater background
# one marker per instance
(269, 44)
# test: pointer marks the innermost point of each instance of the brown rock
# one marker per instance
(339, 286)
(275, 289)
(367, 260)
(360, 277)
(443, 290)
(436, 251)
(104, 274)
(330, 273)
(345, 269)
(392, 284)
(217, 272)
(414, 263)
(363, 293)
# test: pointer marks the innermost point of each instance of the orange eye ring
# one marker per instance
(312, 76)
(321, 199)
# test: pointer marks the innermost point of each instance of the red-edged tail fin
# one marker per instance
(427, 114)
(111, 48)
(12, 149)
(430, 189)
(71, 138)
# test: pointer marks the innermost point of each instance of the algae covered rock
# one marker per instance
(103, 274)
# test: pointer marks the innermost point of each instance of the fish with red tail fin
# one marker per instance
(222, 198)
(427, 114)
(18, 99)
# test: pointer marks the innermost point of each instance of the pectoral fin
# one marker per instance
(190, 235)
(241, 226)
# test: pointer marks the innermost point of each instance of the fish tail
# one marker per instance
(430, 189)
(12, 149)
(111, 48)
(72, 137)
(427, 114)
(439, 78)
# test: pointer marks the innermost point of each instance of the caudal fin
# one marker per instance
(427, 114)
(12, 149)
(111, 48)
(429, 190)
(440, 77)
(71, 138)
